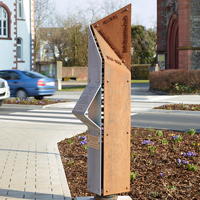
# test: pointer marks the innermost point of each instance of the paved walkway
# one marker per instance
(30, 164)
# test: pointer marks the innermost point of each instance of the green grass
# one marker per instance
(139, 81)
(74, 88)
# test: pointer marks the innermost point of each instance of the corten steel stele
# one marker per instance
(108, 104)
(116, 31)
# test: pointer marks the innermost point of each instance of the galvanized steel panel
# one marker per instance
(90, 101)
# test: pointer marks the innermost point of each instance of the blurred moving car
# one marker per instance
(4, 90)
(24, 84)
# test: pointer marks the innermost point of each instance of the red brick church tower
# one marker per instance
(178, 34)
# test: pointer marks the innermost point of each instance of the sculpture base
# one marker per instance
(93, 198)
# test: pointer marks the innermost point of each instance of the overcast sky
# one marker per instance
(143, 11)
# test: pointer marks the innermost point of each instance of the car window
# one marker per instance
(3, 75)
(12, 75)
(34, 74)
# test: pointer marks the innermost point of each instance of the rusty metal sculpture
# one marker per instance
(107, 98)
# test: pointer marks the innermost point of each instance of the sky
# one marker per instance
(144, 12)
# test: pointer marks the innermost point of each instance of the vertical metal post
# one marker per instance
(107, 98)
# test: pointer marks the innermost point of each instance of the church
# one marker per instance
(17, 34)
(178, 34)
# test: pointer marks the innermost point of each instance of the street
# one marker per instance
(167, 121)
(32, 114)
(142, 113)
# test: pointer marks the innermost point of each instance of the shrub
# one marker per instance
(140, 72)
(175, 81)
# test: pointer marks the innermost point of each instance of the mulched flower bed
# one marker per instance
(180, 106)
(164, 164)
(32, 101)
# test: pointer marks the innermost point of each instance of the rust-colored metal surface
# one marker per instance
(116, 31)
(117, 122)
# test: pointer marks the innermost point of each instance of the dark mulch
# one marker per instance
(180, 106)
(175, 182)
(33, 101)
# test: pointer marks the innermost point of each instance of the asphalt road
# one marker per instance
(139, 119)
(181, 122)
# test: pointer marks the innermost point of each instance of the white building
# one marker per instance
(16, 34)
(47, 50)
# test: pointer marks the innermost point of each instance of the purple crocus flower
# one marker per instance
(83, 137)
(194, 154)
(179, 161)
(184, 154)
(40, 102)
(175, 137)
(161, 174)
(81, 143)
(185, 162)
(86, 156)
(85, 142)
(152, 143)
(79, 137)
(146, 142)
(189, 154)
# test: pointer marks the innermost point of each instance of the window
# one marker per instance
(19, 8)
(34, 74)
(12, 76)
(19, 48)
(3, 22)
(3, 74)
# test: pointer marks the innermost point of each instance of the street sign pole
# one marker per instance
(107, 100)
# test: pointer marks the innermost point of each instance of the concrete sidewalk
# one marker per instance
(30, 164)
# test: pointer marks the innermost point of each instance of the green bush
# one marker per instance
(140, 72)
(175, 81)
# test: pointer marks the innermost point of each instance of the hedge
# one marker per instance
(140, 72)
(175, 81)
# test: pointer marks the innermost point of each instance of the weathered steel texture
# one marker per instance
(117, 108)
(90, 101)
(116, 31)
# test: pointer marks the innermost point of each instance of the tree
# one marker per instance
(143, 44)
(77, 33)
(98, 11)
(43, 10)
(67, 38)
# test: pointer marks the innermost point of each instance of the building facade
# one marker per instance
(17, 34)
(178, 34)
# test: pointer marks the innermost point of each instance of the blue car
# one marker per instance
(24, 84)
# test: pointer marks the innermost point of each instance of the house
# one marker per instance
(47, 51)
(17, 34)
(178, 38)
(49, 41)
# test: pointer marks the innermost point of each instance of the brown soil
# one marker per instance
(33, 102)
(175, 182)
(180, 106)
